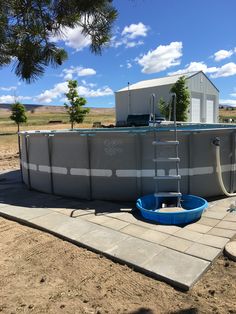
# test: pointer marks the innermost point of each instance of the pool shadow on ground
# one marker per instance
(14, 192)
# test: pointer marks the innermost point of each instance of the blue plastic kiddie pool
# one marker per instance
(191, 209)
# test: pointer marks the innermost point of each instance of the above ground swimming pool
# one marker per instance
(117, 164)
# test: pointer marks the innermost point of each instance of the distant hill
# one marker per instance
(53, 109)
(28, 107)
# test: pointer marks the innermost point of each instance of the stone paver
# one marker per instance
(134, 230)
(102, 239)
(135, 251)
(188, 234)
(177, 244)
(211, 240)
(178, 255)
(98, 219)
(231, 217)
(227, 225)
(209, 221)
(214, 214)
(177, 268)
(24, 212)
(222, 232)
(168, 229)
(154, 236)
(64, 226)
(198, 227)
(115, 224)
(203, 251)
(128, 217)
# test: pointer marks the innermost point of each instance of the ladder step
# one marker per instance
(168, 194)
(167, 159)
(169, 177)
(165, 142)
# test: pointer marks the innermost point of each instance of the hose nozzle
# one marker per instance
(216, 141)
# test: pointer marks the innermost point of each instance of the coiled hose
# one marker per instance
(216, 142)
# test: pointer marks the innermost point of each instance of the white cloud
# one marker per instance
(48, 95)
(72, 37)
(58, 91)
(88, 84)
(128, 36)
(195, 66)
(78, 71)
(233, 94)
(162, 58)
(86, 92)
(227, 69)
(131, 44)
(86, 72)
(9, 88)
(129, 65)
(222, 54)
(135, 30)
(228, 102)
(8, 99)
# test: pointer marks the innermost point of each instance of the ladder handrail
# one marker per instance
(177, 176)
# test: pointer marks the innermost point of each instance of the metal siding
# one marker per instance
(139, 101)
(195, 110)
(200, 84)
(140, 98)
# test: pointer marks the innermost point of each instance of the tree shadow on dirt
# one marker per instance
(142, 310)
(192, 310)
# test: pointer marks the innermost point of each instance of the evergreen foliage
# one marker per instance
(26, 27)
(75, 107)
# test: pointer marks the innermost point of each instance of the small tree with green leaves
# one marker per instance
(18, 114)
(75, 107)
(164, 108)
(182, 99)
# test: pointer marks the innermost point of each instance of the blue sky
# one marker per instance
(151, 38)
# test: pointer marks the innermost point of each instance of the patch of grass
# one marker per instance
(40, 120)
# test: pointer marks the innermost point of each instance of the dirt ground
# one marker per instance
(9, 157)
(40, 273)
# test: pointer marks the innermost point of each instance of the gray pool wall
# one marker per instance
(117, 165)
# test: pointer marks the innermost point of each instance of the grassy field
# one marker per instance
(39, 120)
(41, 117)
(226, 114)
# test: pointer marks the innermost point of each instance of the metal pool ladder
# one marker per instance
(170, 160)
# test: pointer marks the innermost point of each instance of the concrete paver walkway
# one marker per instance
(177, 255)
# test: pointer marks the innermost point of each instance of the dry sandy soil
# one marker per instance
(40, 273)
(9, 157)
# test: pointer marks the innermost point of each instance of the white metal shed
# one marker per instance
(135, 99)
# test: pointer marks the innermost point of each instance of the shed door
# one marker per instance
(210, 111)
(196, 110)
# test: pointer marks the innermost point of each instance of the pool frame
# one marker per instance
(116, 164)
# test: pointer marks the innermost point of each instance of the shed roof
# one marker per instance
(168, 80)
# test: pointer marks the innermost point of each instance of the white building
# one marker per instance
(135, 99)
